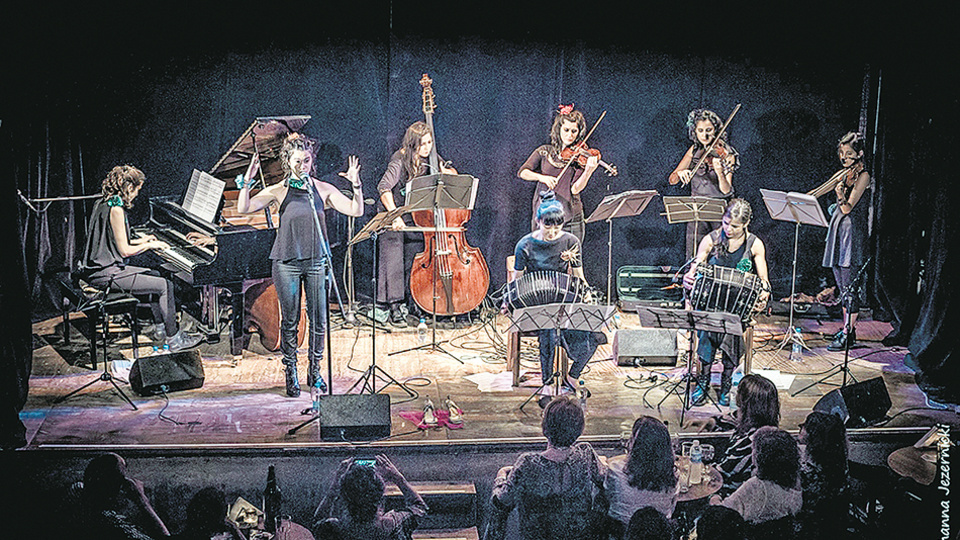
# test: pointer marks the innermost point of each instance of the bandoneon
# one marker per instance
(727, 290)
(544, 287)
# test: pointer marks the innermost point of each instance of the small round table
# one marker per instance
(919, 464)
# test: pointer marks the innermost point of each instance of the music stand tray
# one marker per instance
(796, 208)
(558, 316)
(707, 321)
(626, 204)
(441, 191)
(698, 209)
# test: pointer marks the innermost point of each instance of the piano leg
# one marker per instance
(238, 338)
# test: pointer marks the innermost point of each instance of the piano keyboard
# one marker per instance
(181, 252)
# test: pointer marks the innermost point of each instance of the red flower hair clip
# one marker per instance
(565, 109)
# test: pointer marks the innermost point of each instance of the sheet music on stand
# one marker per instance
(794, 207)
(569, 316)
(628, 203)
(459, 191)
(203, 195)
(708, 321)
(686, 209)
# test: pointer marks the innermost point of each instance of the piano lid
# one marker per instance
(265, 135)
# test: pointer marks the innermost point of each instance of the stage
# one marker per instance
(242, 403)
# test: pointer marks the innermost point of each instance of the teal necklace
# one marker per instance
(297, 183)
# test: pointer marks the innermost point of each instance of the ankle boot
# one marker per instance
(314, 377)
(291, 380)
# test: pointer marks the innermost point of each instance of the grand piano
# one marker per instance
(238, 258)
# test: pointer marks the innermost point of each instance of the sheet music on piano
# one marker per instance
(202, 199)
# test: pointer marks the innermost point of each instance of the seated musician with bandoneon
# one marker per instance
(730, 246)
(550, 248)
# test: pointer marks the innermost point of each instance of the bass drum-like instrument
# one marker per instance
(726, 290)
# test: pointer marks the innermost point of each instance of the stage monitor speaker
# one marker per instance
(354, 417)
(859, 405)
(645, 347)
(165, 373)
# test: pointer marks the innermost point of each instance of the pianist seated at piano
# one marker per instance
(109, 244)
(298, 257)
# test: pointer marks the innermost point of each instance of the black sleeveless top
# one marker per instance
(101, 249)
(297, 234)
(741, 258)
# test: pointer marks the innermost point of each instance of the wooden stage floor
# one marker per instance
(242, 401)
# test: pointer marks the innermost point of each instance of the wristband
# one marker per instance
(241, 181)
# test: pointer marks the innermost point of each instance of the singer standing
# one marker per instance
(299, 258)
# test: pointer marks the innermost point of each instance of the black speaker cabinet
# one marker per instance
(165, 373)
(354, 417)
(859, 405)
(645, 347)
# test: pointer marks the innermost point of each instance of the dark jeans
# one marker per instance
(145, 284)
(709, 342)
(580, 346)
(289, 277)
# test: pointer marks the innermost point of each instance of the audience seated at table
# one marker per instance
(823, 475)
(360, 489)
(207, 518)
(555, 491)
(648, 524)
(114, 505)
(720, 523)
(645, 476)
(773, 492)
(758, 405)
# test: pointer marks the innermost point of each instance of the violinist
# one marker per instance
(847, 232)
(298, 257)
(396, 247)
(715, 177)
(565, 177)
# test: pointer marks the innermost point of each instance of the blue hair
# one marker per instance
(550, 211)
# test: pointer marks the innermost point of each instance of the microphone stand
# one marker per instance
(846, 299)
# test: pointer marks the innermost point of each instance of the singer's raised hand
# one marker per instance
(353, 171)
(253, 168)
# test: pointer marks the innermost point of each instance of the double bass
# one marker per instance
(449, 277)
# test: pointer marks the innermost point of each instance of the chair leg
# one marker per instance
(513, 355)
(92, 318)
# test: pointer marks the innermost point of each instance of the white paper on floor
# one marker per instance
(492, 382)
(121, 369)
(783, 381)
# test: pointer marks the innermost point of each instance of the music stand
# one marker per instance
(557, 317)
(708, 321)
(694, 209)
(438, 192)
(797, 208)
(626, 204)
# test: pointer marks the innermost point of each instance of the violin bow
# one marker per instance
(584, 141)
(716, 139)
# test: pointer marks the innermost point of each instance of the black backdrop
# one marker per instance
(170, 92)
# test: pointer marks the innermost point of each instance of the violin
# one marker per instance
(582, 153)
(848, 176)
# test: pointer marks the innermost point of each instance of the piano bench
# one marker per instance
(96, 306)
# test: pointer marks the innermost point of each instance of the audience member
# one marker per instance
(645, 475)
(207, 518)
(758, 406)
(648, 524)
(823, 472)
(720, 523)
(359, 487)
(115, 505)
(554, 490)
(774, 490)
